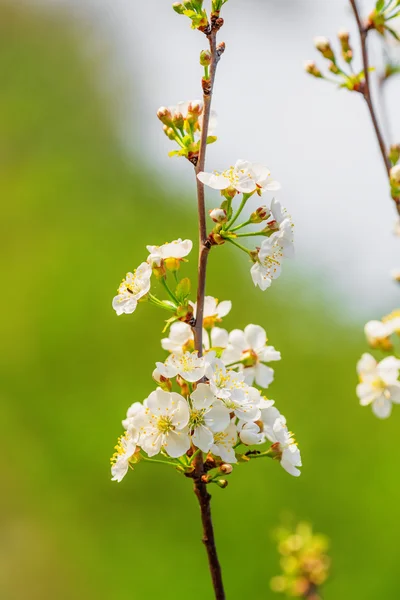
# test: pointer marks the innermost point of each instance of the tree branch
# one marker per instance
(366, 92)
(200, 487)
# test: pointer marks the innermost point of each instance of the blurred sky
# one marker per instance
(317, 141)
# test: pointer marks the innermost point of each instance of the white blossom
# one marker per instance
(133, 287)
(135, 409)
(177, 249)
(188, 365)
(250, 433)
(208, 416)
(213, 311)
(244, 177)
(125, 449)
(249, 346)
(224, 441)
(379, 385)
(181, 338)
(268, 266)
(163, 424)
(285, 444)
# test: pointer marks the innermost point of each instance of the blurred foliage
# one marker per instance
(76, 215)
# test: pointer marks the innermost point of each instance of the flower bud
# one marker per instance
(185, 391)
(221, 48)
(218, 215)
(188, 5)
(178, 120)
(164, 382)
(311, 68)
(178, 8)
(169, 132)
(394, 153)
(226, 468)
(333, 68)
(347, 52)
(261, 214)
(205, 58)
(323, 45)
(395, 176)
(216, 239)
(343, 36)
(158, 270)
(164, 114)
(222, 483)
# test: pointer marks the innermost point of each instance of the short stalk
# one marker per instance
(239, 210)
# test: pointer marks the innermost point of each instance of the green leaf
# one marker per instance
(174, 153)
(183, 289)
(211, 139)
(379, 5)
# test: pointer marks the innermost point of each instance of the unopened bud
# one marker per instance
(178, 120)
(394, 153)
(164, 114)
(323, 45)
(169, 132)
(158, 270)
(188, 4)
(178, 8)
(218, 215)
(205, 58)
(226, 468)
(311, 68)
(395, 176)
(343, 36)
(195, 108)
(185, 391)
(221, 48)
(333, 68)
(261, 214)
(216, 239)
(222, 483)
(347, 52)
(164, 382)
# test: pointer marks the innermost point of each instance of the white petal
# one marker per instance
(264, 375)
(255, 337)
(394, 391)
(180, 414)
(124, 304)
(224, 308)
(177, 443)
(218, 417)
(203, 438)
(202, 396)
(219, 337)
(382, 407)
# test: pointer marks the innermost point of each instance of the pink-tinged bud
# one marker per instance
(261, 214)
(323, 45)
(333, 68)
(226, 468)
(221, 48)
(218, 215)
(395, 176)
(195, 108)
(178, 120)
(311, 68)
(347, 52)
(164, 114)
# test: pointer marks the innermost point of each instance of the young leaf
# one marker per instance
(183, 289)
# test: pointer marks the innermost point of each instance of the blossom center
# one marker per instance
(196, 418)
(249, 358)
(164, 424)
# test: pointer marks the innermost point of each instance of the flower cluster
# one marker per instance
(344, 75)
(183, 124)
(304, 561)
(248, 179)
(209, 403)
(382, 16)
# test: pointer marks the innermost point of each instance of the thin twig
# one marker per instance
(366, 92)
(200, 487)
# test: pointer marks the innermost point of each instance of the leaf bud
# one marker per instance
(311, 68)
(323, 45)
(205, 58)
(218, 215)
(178, 8)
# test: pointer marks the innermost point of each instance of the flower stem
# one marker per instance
(238, 245)
(169, 291)
(248, 222)
(249, 234)
(239, 210)
(200, 487)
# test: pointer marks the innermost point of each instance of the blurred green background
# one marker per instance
(76, 215)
